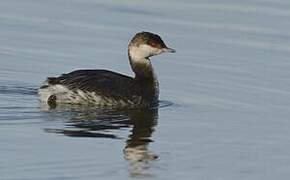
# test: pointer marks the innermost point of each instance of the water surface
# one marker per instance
(225, 104)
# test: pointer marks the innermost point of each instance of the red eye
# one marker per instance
(153, 43)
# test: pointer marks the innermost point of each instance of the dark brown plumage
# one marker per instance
(109, 85)
(111, 88)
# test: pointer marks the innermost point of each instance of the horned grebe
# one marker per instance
(107, 88)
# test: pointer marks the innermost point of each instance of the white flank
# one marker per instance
(65, 95)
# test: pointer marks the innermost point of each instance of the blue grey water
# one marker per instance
(225, 94)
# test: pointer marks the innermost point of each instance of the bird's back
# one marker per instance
(99, 87)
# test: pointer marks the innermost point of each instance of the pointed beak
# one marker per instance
(168, 50)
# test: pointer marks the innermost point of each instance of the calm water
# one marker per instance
(225, 94)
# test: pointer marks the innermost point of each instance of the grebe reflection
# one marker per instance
(102, 123)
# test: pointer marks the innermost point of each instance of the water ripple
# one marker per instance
(18, 90)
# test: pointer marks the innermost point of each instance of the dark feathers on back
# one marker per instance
(106, 84)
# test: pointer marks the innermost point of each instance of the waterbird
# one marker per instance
(106, 88)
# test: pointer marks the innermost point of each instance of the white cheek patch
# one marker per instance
(143, 51)
(149, 50)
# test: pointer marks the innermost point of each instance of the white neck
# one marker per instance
(139, 54)
(140, 62)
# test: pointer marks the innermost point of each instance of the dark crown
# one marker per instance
(148, 38)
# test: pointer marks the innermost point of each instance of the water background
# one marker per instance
(225, 94)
